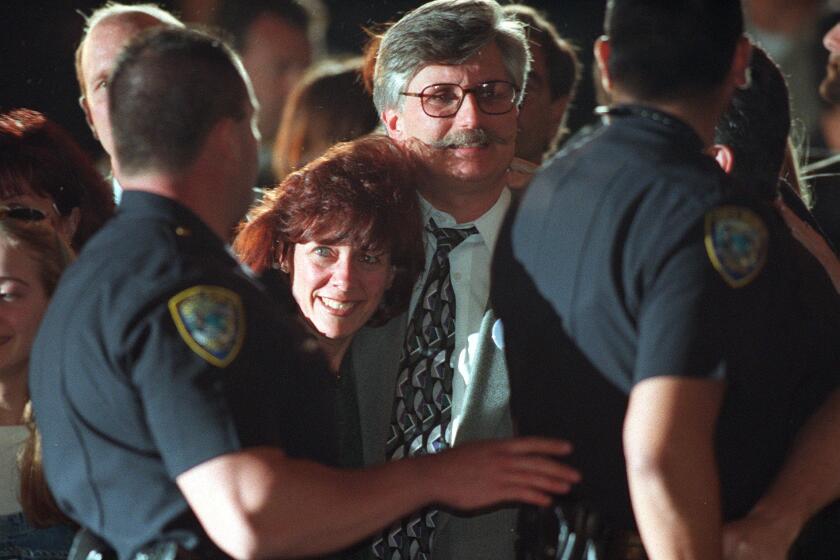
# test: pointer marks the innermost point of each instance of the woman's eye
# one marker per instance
(369, 258)
(322, 251)
(9, 296)
(101, 84)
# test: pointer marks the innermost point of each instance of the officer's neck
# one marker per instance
(203, 194)
(700, 112)
(199, 204)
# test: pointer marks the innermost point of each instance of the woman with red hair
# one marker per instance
(44, 170)
(345, 234)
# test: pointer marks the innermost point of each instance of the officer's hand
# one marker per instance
(519, 173)
(756, 537)
(813, 242)
(482, 474)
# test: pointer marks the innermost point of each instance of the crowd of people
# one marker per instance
(389, 307)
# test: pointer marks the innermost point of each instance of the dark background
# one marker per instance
(39, 39)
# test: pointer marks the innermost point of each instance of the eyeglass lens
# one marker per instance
(444, 100)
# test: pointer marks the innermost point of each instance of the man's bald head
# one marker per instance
(107, 31)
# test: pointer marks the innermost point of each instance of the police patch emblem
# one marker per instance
(736, 242)
(211, 320)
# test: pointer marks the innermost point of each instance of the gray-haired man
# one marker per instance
(449, 76)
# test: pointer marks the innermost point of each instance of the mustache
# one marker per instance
(467, 138)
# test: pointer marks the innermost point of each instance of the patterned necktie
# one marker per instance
(420, 422)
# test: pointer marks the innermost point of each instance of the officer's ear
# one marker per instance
(602, 57)
(723, 155)
(740, 69)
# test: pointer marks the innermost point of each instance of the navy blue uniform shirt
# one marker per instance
(158, 353)
(627, 260)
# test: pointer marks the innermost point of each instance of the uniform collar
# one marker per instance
(655, 120)
(184, 221)
(488, 224)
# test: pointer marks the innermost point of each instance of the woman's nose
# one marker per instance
(342, 272)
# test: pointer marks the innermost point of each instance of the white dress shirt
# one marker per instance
(469, 269)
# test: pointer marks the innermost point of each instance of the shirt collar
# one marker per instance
(488, 224)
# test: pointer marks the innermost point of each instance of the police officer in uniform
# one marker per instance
(181, 413)
(198, 362)
(656, 321)
(751, 143)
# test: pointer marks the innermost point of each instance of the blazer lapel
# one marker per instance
(376, 359)
(485, 408)
(485, 411)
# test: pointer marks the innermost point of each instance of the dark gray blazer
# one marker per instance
(485, 414)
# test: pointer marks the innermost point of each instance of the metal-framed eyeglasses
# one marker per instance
(442, 101)
(22, 213)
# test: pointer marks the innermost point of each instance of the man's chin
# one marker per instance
(483, 152)
(475, 176)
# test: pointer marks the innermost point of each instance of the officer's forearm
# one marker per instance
(671, 468)
(810, 478)
(258, 503)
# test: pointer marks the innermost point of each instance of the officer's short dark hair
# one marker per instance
(756, 126)
(668, 49)
(168, 90)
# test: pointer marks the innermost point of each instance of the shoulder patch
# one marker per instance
(736, 242)
(211, 320)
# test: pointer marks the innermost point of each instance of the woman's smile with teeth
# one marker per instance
(336, 304)
(338, 287)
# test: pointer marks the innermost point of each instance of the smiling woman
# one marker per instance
(345, 232)
(32, 257)
(338, 287)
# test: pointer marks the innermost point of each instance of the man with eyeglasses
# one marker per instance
(448, 79)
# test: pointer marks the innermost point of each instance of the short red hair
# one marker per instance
(360, 193)
(38, 156)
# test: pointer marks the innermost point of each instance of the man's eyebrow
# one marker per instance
(100, 74)
(14, 279)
